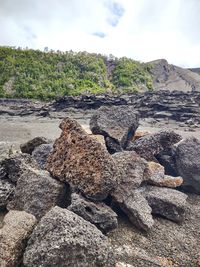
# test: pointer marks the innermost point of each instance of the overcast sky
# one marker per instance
(141, 29)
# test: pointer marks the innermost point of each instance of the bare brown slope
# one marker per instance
(171, 77)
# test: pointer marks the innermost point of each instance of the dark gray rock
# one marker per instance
(112, 145)
(29, 146)
(16, 165)
(138, 211)
(6, 193)
(188, 164)
(41, 153)
(166, 202)
(167, 159)
(117, 123)
(99, 214)
(37, 192)
(131, 174)
(151, 145)
(64, 239)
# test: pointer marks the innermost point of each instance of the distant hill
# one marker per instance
(171, 77)
(36, 74)
(27, 73)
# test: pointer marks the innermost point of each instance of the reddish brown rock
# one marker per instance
(82, 162)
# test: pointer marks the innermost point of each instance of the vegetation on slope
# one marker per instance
(35, 74)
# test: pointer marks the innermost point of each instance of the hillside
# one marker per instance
(45, 75)
(171, 77)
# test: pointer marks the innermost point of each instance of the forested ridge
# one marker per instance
(27, 73)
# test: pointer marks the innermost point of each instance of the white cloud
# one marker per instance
(141, 29)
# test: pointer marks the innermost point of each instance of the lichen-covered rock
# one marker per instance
(98, 214)
(166, 202)
(82, 162)
(16, 165)
(6, 193)
(188, 164)
(64, 239)
(151, 145)
(41, 153)
(131, 174)
(118, 123)
(37, 192)
(138, 211)
(17, 227)
(29, 146)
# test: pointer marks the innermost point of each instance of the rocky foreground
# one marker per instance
(117, 197)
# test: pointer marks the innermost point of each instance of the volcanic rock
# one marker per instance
(151, 145)
(64, 239)
(131, 174)
(41, 153)
(82, 162)
(138, 211)
(37, 192)
(188, 164)
(167, 159)
(166, 202)
(17, 227)
(117, 123)
(97, 213)
(6, 193)
(29, 146)
(155, 175)
(16, 165)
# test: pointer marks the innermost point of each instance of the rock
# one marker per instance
(188, 164)
(155, 175)
(4, 150)
(117, 123)
(41, 153)
(166, 202)
(131, 174)
(37, 192)
(16, 165)
(112, 145)
(17, 227)
(62, 238)
(99, 138)
(138, 211)
(151, 145)
(29, 146)
(82, 162)
(167, 159)
(6, 193)
(122, 264)
(97, 213)
(170, 181)
(140, 134)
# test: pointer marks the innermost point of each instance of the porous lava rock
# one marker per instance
(37, 192)
(188, 164)
(151, 145)
(17, 227)
(64, 239)
(119, 123)
(99, 214)
(82, 162)
(30, 145)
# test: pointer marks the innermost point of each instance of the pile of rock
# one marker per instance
(75, 189)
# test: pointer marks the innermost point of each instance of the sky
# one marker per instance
(144, 30)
